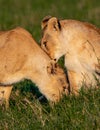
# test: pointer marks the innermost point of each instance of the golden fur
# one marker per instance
(4, 95)
(22, 58)
(80, 43)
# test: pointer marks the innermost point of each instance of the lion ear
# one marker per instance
(45, 21)
(54, 24)
(52, 68)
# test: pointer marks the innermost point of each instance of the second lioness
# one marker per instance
(80, 43)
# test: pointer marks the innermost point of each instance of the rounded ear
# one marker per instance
(45, 21)
(54, 24)
(51, 68)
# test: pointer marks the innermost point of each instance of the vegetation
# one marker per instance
(26, 112)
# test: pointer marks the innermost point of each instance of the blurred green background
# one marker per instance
(29, 13)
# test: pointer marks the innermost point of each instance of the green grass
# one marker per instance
(26, 112)
(71, 113)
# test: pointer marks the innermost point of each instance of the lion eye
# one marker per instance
(45, 46)
(45, 43)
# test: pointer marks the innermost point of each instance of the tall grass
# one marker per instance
(71, 113)
(26, 112)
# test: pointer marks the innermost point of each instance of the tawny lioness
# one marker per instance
(22, 58)
(79, 42)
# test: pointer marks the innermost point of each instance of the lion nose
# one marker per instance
(65, 90)
(55, 60)
(64, 87)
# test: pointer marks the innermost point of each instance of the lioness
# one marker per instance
(22, 58)
(79, 42)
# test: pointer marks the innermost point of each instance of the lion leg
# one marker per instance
(6, 92)
(74, 80)
(7, 95)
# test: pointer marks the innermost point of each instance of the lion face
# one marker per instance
(55, 70)
(50, 42)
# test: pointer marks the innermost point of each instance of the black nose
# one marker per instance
(54, 59)
(64, 87)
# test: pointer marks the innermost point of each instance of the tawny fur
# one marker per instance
(22, 58)
(79, 42)
(5, 95)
